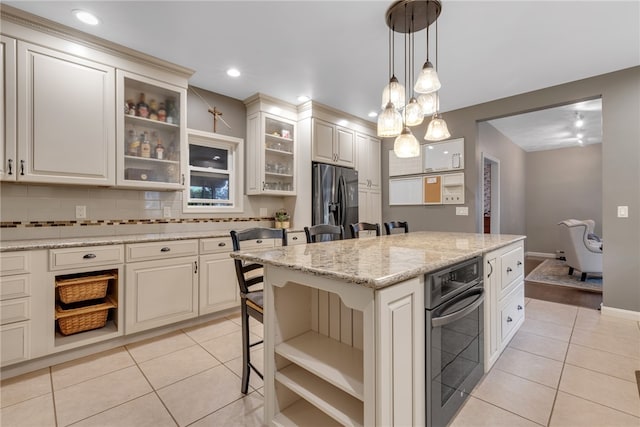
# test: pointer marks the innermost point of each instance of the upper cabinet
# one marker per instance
(151, 127)
(368, 161)
(8, 108)
(66, 118)
(333, 144)
(271, 147)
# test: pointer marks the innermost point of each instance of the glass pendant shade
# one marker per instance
(428, 80)
(389, 122)
(394, 93)
(413, 115)
(437, 129)
(406, 145)
(429, 103)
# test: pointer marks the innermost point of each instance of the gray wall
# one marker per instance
(512, 178)
(620, 172)
(561, 184)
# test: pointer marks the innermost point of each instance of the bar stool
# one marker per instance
(388, 226)
(332, 232)
(364, 226)
(251, 301)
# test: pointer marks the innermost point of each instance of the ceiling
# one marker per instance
(336, 52)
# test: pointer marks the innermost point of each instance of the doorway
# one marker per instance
(490, 212)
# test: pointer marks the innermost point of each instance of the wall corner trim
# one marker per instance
(620, 313)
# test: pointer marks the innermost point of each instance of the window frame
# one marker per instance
(235, 170)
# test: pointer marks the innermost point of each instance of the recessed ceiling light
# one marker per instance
(303, 98)
(233, 72)
(86, 17)
(373, 114)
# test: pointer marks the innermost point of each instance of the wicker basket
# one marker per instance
(74, 320)
(83, 288)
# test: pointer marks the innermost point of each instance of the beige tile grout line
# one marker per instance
(53, 397)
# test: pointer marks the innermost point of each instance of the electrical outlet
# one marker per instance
(263, 212)
(623, 211)
(462, 210)
(166, 212)
(81, 212)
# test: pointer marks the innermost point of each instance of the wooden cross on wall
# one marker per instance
(216, 115)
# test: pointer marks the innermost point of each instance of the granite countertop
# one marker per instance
(381, 261)
(75, 242)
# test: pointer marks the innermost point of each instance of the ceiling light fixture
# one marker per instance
(233, 72)
(372, 114)
(86, 17)
(408, 17)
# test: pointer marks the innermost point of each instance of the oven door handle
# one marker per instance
(457, 315)
(470, 284)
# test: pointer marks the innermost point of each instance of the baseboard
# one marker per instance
(540, 255)
(620, 313)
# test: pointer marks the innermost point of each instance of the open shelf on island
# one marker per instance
(345, 409)
(302, 413)
(331, 360)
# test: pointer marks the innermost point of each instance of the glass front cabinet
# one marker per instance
(151, 127)
(271, 152)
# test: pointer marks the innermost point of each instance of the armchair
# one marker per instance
(582, 249)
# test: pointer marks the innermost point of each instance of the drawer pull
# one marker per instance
(89, 256)
(222, 244)
(519, 263)
(165, 249)
(294, 238)
(258, 241)
(519, 307)
(509, 270)
(509, 319)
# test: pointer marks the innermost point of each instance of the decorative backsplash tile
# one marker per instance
(99, 222)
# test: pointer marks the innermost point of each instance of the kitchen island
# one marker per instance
(345, 325)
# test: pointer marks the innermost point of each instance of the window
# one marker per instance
(214, 178)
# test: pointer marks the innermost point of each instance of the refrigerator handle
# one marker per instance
(342, 196)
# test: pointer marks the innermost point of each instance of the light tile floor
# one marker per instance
(567, 366)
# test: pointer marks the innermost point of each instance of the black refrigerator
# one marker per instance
(334, 196)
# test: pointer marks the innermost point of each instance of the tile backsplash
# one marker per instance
(41, 211)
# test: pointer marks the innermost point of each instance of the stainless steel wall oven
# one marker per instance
(454, 302)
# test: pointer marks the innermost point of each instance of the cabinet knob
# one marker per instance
(258, 241)
(509, 319)
(294, 238)
(222, 244)
(519, 307)
(89, 256)
(519, 263)
(509, 270)
(165, 249)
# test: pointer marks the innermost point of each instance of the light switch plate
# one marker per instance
(623, 211)
(81, 212)
(166, 212)
(462, 210)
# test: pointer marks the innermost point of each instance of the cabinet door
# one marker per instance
(66, 120)
(368, 161)
(375, 164)
(160, 292)
(14, 342)
(8, 108)
(323, 142)
(218, 283)
(345, 147)
(370, 206)
(254, 162)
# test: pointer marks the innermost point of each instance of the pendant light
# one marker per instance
(413, 115)
(406, 145)
(437, 129)
(428, 81)
(428, 102)
(390, 120)
(394, 91)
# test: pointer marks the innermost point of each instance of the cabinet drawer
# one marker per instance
(14, 342)
(15, 287)
(260, 244)
(161, 250)
(216, 245)
(512, 312)
(14, 263)
(512, 269)
(296, 238)
(15, 310)
(89, 256)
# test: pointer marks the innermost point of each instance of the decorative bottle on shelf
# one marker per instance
(172, 113)
(159, 150)
(133, 147)
(145, 147)
(142, 109)
(162, 113)
(153, 110)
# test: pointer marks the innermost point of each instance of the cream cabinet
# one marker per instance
(504, 301)
(163, 290)
(333, 144)
(296, 238)
(370, 206)
(271, 147)
(151, 125)
(15, 307)
(218, 283)
(8, 108)
(368, 161)
(66, 118)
